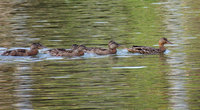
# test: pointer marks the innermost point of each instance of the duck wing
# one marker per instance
(91, 48)
(144, 50)
(101, 51)
(55, 51)
(17, 52)
(7, 53)
(60, 49)
(22, 50)
(71, 53)
(95, 50)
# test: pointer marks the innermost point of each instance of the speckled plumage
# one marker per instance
(55, 51)
(75, 51)
(150, 50)
(23, 52)
(112, 49)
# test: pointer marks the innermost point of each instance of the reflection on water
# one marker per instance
(23, 88)
(121, 81)
(177, 77)
(135, 67)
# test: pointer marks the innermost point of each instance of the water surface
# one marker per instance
(121, 81)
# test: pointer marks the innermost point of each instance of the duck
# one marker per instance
(112, 49)
(77, 50)
(150, 50)
(24, 52)
(55, 51)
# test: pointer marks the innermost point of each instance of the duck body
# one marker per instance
(75, 51)
(56, 51)
(24, 52)
(150, 50)
(112, 49)
(70, 53)
(20, 52)
(100, 51)
(144, 50)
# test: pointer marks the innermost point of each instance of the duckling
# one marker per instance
(150, 50)
(112, 49)
(23, 52)
(70, 53)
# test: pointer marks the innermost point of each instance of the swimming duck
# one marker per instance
(150, 50)
(23, 52)
(55, 51)
(112, 49)
(77, 50)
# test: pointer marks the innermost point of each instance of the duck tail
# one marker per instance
(129, 49)
(6, 53)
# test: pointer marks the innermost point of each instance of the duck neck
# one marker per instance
(33, 52)
(79, 52)
(112, 51)
(162, 47)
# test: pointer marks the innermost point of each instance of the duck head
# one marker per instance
(74, 47)
(113, 45)
(81, 47)
(36, 46)
(163, 41)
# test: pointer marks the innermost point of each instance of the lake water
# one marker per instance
(124, 81)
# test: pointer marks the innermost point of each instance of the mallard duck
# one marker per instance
(55, 51)
(150, 50)
(75, 51)
(112, 49)
(23, 52)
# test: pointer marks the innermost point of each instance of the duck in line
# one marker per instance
(76, 50)
(150, 50)
(24, 52)
(112, 49)
(79, 50)
(55, 51)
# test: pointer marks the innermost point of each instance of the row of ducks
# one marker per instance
(79, 50)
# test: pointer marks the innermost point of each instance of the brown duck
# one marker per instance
(75, 51)
(55, 51)
(23, 52)
(150, 50)
(112, 49)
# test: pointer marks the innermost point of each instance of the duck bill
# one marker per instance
(168, 42)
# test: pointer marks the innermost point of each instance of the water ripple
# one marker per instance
(129, 67)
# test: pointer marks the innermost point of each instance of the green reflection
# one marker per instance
(94, 83)
(192, 52)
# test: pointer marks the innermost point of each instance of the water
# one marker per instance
(121, 81)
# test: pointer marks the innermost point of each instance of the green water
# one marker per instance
(124, 81)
